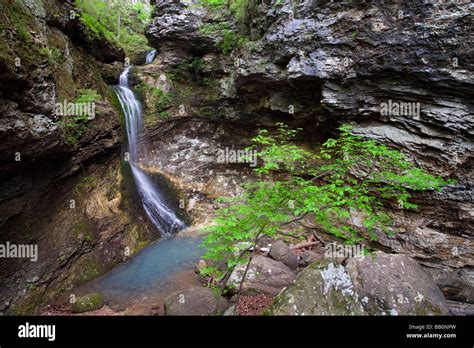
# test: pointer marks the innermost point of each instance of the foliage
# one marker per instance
(22, 32)
(238, 8)
(119, 22)
(182, 70)
(349, 175)
(213, 28)
(229, 39)
(53, 55)
(162, 102)
(214, 4)
(87, 96)
(74, 126)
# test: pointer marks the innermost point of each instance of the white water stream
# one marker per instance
(161, 216)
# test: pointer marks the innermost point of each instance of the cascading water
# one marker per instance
(162, 266)
(162, 217)
(150, 56)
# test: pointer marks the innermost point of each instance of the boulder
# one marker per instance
(308, 257)
(264, 276)
(320, 289)
(87, 303)
(395, 283)
(180, 23)
(280, 251)
(111, 72)
(230, 311)
(199, 266)
(197, 300)
(381, 284)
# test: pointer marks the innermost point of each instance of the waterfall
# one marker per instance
(161, 216)
(150, 56)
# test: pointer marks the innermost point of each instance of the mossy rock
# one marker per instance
(87, 303)
(313, 293)
(378, 284)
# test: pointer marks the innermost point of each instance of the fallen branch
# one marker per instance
(319, 238)
(303, 245)
(301, 217)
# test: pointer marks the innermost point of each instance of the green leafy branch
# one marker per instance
(348, 176)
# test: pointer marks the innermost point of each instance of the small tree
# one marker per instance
(347, 175)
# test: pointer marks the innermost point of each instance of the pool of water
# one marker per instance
(147, 271)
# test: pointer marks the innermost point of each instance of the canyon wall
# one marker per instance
(317, 64)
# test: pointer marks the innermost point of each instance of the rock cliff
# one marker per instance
(402, 71)
(52, 192)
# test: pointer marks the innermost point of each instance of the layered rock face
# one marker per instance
(403, 71)
(51, 193)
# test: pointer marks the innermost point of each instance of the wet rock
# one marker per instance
(111, 72)
(264, 276)
(195, 301)
(280, 251)
(55, 62)
(88, 303)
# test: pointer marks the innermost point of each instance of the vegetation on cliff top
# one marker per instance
(120, 22)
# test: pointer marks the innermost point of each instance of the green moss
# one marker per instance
(22, 32)
(163, 100)
(29, 304)
(74, 126)
(90, 269)
(230, 41)
(61, 259)
(16, 19)
(85, 184)
(88, 303)
(159, 103)
(82, 228)
(140, 245)
(53, 55)
(114, 101)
